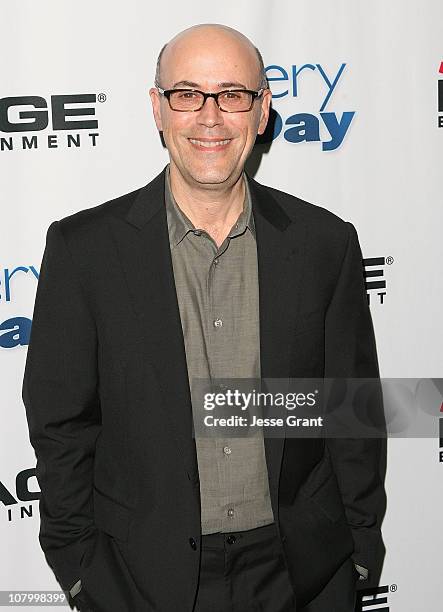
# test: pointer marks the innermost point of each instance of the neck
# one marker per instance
(215, 208)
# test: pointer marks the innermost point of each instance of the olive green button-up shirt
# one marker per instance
(217, 291)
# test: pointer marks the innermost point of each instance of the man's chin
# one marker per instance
(214, 178)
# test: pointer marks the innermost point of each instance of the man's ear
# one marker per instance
(155, 99)
(264, 110)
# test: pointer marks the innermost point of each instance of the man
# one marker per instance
(202, 273)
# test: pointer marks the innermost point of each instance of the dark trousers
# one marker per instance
(246, 572)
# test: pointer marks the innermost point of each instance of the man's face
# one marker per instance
(209, 60)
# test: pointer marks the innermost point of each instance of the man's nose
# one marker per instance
(210, 115)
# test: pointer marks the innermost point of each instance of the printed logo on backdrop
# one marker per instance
(376, 599)
(375, 280)
(14, 331)
(440, 97)
(56, 121)
(287, 82)
(18, 500)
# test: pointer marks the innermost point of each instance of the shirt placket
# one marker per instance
(217, 326)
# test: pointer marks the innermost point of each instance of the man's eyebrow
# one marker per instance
(185, 84)
(232, 84)
(225, 84)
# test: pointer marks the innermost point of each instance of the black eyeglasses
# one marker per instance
(228, 101)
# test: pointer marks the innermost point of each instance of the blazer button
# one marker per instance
(193, 543)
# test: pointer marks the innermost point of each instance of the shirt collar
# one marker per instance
(179, 224)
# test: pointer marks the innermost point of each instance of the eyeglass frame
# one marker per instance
(167, 93)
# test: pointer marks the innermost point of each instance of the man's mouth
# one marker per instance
(209, 143)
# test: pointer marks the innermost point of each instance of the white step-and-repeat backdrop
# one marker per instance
(358, 91)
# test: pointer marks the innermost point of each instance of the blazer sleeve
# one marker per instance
(60, 394)
(350, 352)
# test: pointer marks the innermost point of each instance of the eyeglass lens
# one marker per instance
(227, 100)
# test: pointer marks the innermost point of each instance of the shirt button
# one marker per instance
(218, 323)
(231, 512)
(197, 232)
(193, 543)
(227, 450)
(215, 261)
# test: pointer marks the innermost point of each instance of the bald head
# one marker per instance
(208, 147)
(202, 35)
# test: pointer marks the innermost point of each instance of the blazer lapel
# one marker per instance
(144, 249)
(280, 253)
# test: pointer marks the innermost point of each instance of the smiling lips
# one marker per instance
(209, 144)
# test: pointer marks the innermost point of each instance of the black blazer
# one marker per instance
(108, 404)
